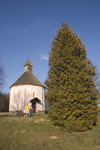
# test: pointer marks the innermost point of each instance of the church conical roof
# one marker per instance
(27, 78)
(28, 63)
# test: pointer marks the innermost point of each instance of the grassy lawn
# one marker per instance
(37, 133)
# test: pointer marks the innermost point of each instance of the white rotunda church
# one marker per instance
(27, 90)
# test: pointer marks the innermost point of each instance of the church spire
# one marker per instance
(28, 66)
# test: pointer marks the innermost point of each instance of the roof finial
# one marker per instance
(28, 63)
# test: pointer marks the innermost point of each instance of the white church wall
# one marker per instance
(22, 94)
(41, 105)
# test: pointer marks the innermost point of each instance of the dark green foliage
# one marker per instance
(72, 92)
(4, 102)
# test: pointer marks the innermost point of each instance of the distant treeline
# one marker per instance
(4, 102)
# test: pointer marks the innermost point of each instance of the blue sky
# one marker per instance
(27, 28)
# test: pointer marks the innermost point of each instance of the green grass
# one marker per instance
(22, 133)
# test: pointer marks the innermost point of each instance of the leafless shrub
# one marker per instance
(4, 102)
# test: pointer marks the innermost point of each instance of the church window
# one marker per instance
(33, 94)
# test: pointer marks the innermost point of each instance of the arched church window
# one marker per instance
(33, 94)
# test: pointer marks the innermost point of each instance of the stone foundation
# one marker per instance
(21, 112)
(41, 112)
(16, 112)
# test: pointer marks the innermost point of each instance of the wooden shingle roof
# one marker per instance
(28, 78)
(28, 63)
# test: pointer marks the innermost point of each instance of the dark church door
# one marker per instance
(34, 107)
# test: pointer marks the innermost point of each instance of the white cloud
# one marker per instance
(44, 57)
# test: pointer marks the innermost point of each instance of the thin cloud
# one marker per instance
(32, 26)
(47, 24)
(23, 30)
(44, 57)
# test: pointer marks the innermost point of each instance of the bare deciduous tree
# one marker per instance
(2, 75)
(4, 102)
(19, 101)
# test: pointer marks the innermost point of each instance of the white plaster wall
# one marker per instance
(22, 94)
(27, 69)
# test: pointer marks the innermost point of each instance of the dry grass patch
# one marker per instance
(36, 121)
(30, 119)
(19, 121)
(53, 137)
(23, 131)
(42, 120)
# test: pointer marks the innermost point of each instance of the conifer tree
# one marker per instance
(72, 94)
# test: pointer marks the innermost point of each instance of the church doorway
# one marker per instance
(34, 101)
(33, 107)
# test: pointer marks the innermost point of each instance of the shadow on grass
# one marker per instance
(9, 115)
(1, 116)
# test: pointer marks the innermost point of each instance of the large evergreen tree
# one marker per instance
(72, 92)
